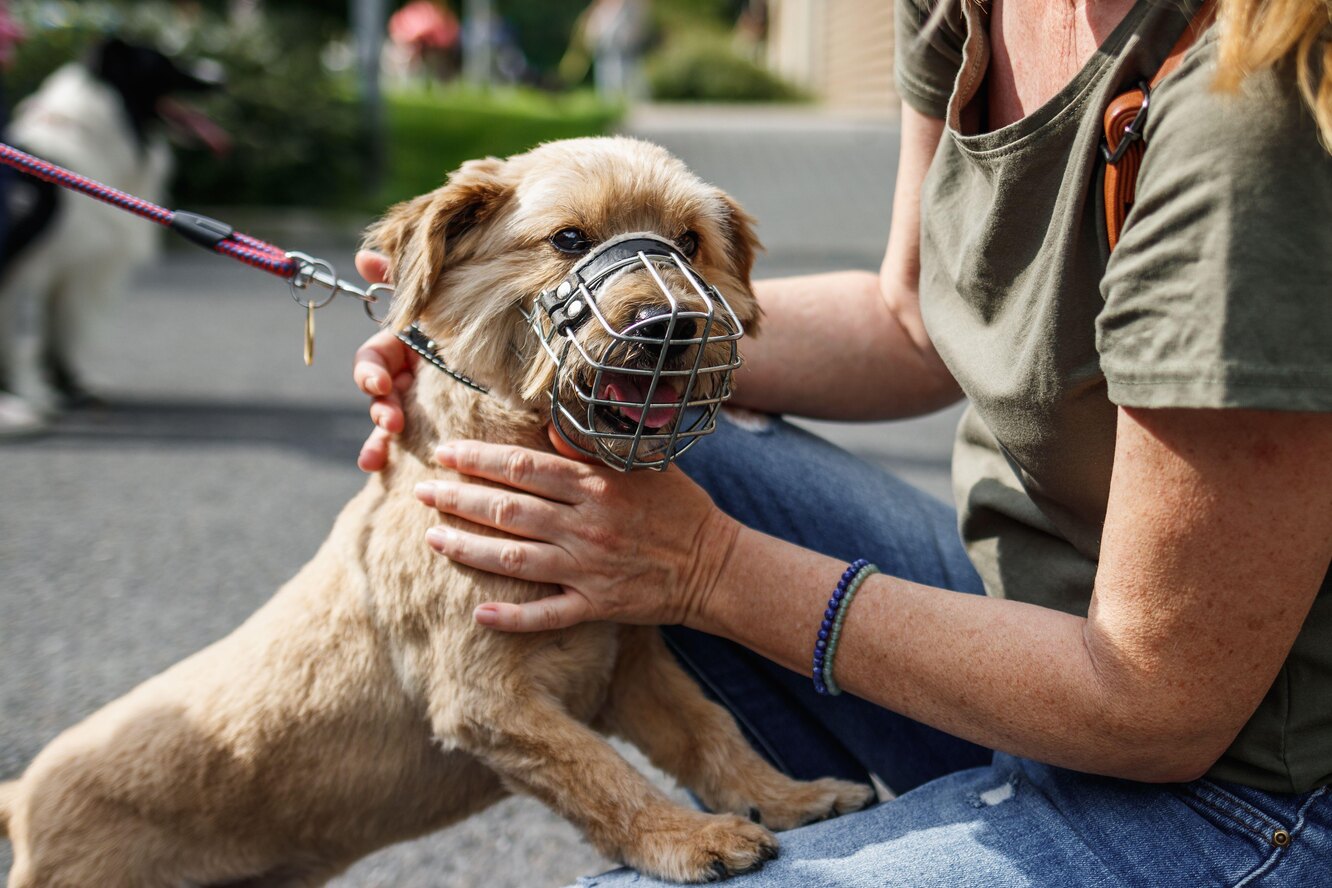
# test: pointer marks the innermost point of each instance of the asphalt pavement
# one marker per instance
(133, 535)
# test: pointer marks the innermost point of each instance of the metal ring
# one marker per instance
(305, 274)
(373, 295)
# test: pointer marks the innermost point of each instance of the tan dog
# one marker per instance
(362, 706)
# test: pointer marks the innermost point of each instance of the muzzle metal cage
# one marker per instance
(651, 390)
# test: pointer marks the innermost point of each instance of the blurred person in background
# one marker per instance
(1144, 696)
(427, 34)
(609, 37)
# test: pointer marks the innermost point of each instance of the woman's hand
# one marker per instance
(644, 547)
(384, 369)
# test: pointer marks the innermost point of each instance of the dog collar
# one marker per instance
(416, 339)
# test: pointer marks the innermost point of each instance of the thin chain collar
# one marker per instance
(418, 341)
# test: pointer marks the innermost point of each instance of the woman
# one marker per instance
(1144, 697)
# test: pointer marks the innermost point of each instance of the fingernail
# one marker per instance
(444, 453)
(425, 492)
(439, 536)
(486, 614)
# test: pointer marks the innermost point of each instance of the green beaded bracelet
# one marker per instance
(835, 636)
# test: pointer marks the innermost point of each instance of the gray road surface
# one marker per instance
(133, 536)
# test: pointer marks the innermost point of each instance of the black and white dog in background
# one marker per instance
(65, 255)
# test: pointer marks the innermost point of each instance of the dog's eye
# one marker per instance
(688, 243)
(571, 240)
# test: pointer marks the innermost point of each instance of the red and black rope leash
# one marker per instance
(297, 269)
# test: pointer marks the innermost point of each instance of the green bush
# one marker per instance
(684, 14)
(432, 131)
(703, 66)
(542, 29)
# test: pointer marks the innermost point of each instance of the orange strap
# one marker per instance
(1124, 142)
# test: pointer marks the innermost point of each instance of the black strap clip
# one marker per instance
(201, 230)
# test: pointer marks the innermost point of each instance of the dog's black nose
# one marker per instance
(685, 328)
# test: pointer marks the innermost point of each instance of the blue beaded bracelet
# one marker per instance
(826, 644)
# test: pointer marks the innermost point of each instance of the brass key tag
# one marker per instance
(309, 334)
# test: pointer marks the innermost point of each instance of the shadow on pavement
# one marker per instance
(327, 432)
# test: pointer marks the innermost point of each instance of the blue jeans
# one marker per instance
(965, 816)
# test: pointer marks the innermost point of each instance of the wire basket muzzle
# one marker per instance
(640, 395)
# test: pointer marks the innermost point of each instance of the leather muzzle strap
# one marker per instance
(564, 303)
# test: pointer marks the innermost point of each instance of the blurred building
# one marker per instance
(838, 50)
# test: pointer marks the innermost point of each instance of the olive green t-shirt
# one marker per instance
(1219, 295)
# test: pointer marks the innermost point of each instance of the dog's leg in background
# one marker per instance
(538, 748)
(76, 309)
(661, 710)
(23, 305)
(64, 332)
(61, 330)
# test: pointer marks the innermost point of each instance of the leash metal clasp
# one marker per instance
(313, 271)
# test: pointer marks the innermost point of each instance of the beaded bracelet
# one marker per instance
(830, 630)
(836, 635)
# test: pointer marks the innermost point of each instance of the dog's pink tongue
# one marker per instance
(197, 124)
(633, 391)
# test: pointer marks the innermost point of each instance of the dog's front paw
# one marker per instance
(694, 847)
(806, 802)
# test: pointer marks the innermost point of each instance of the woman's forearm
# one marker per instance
(1004, 674)
(832, 347)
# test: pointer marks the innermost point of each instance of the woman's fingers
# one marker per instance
(374, 267)
(383, 369)
(520, 559)
(374, 452)
(386, 413)
(378, 361)
(544, 474)
(515, 513)
(555, 612)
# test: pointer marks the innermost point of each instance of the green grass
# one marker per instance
(432, 131)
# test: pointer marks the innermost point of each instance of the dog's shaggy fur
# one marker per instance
(362, 706)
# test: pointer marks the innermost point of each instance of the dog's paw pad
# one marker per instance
(704, 848)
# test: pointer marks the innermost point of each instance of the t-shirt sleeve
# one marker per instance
(928, 51)
(1220, 291)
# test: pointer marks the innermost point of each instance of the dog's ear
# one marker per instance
(416, 235)
(742, 244)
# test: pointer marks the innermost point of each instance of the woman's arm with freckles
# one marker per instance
(1217, 536)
